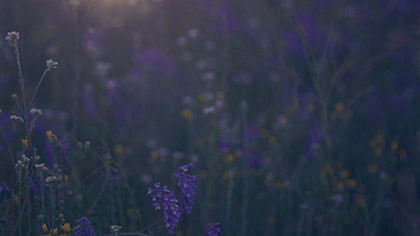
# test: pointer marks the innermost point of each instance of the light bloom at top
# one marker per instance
(212, 229)
(187, 185)
(35, 112)
(16, 118)
(164, 199)
(51, 64)
(12, 37)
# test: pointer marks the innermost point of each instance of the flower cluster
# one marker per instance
(12, 37)
(84, 228)
(212, 229)
(187, 185)
(164, 199)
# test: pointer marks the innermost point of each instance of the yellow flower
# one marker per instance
(55, 232)
(220, 95)
(186, 113)
(25, 143)
(44, 228)
(118, 149)
(394, 145)
(51, 137)
(351, 183)
(339, 107)
(344, 173)
(66, 228)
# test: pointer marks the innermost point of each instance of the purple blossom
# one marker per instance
(187, 185)
(164, 199)
(212, 229)
(84, 228)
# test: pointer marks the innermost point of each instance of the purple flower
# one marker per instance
(212, 229)
(165, 199)
(187, 185)
(84, 228)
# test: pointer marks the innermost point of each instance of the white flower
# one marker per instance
(19, 165)
(208, 110)
(50, 179)
(36, 158)
(25, 159)
(115, 228)
(40, 167)
(16, 118)
(51, 64)
(35, 112)
(12, 37)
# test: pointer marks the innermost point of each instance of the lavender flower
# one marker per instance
(84, 228)
(165, 199)
(212, 229)
(187, 185)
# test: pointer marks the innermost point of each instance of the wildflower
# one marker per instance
(50, 179)
(115, 228)
(12, 37)
(164, 199)
(44, 228)
(16, 119)
(55, 232)
(35, 112)
(36, 158)
(51, 137)
(19, 165)
(26, 160)
(187, 185)
(186, 113)
(51, 64)
(66, 228)
(25, 143)
(208, 110)
(212, 229)
(40, 167)
(84, 228)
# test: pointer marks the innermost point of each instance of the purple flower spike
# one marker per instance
(187, 185)
(84, 228)
(164, 199)
(212, 229)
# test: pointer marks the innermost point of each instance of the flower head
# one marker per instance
(16, 119)
(12, 37)
(165, 199)
(66, 228)
(115, 228)
(212, 229)
(187, 185)
(51, 136)
(35, 112)
(51, 64)
(84, 228)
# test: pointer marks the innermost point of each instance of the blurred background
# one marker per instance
(301, 117)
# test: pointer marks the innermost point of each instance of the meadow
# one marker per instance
(215, 118)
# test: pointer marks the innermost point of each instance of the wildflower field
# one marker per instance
(213, 118)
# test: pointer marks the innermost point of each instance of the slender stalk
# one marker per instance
(38, 85)
(244, 222)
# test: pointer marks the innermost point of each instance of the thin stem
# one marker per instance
(21, 81)
(38, 85)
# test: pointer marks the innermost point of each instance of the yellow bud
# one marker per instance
(66, 228)
(44, 228)
(25, 143)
